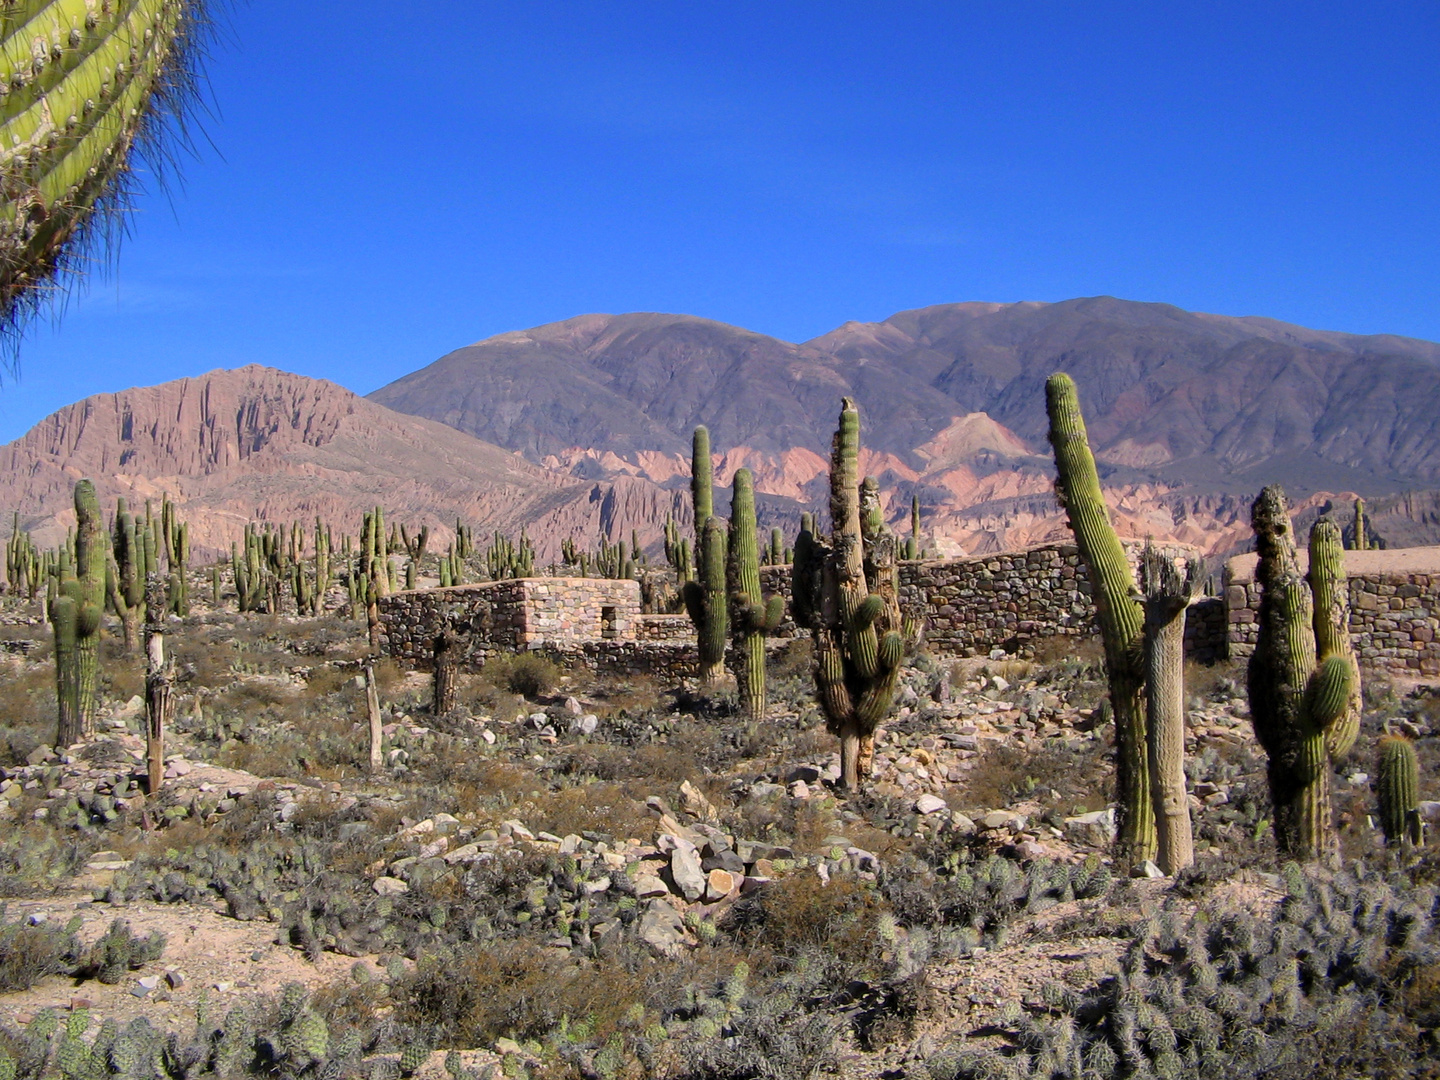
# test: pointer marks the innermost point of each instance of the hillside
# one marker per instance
(230, 446)
(1188, 412)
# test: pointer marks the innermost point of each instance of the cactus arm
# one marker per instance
(1330, 589)
(1119, 614)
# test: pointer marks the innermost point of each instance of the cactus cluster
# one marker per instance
(133, 561)
(1303, 679)
(25, 566)
(506, 558)
(176, 536)
(845, 592)
(678, 552)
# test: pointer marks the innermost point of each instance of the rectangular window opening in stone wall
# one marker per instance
(608, 629)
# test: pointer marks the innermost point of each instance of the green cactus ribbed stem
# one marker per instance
(127, 582)
(1361, 541)
(108, 82)
(76, 611)
(912, 545)
(752, 617)
(1300, 693)
(1120, 615)
(1398, 786)
(705, 602)
(702, 493)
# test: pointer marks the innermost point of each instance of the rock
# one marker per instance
(585, 725)
(1096, 828)
(799, 790)
(999, 683)
(1147, 869)
(1430, 809)
(39, 755)
(648, 886)
(1003, 819)
(805, 773)
(175, 979)
(515, 830)
(694, 803)
(445, 824)
(488, 736)
(662, 929)
(573, 706)
(685, 869)
(389, 886)
(929, 804)
(718, 884)
(724, 860)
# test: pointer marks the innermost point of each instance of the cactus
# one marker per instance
(1399, 790)
(677, 552)
(705, 597)
(176, 536)
(126, 573)
(846, 593)
(1302, 683)
(1119, 613)
(415, 546)
(87, 87)
(751, 617)
(1167, 595)
(1359, 542)
(75, 616)
(777, 547)
(912, 545)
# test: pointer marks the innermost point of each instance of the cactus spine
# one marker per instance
(845, 591)
(1119, 613)
(1301, 691)
(1167, 595)
(75, 614)
(752, 617)
(705, 598)
(1399, 790)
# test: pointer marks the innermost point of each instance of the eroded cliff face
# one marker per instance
(261, 444)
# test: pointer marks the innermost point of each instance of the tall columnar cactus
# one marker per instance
(1360, 542)
(912, 545)
(677, 552)
(176, 536)
(845, 592)
(75, 614)
(751, 616)
(1119, 612)
(1301, 693)
(126, 581)
(777, 547)
(1167, 594)
(1398, 785)
(705, 602)
(86, 86)
(705, 598)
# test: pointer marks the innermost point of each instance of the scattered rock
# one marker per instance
(929, 804)
(389, 886)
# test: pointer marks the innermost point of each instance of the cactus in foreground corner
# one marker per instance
(1398, 785)
(1119, 613)
(845, 592)
(705, 598)
(87, 87)
(1302, 685)
(75, 614)
(751, 616)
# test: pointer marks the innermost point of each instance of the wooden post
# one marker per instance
(372, 702)
(159, 697)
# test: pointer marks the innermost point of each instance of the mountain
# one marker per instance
(256, 443)
(1188, 412)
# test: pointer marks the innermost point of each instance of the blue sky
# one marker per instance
(390, 182)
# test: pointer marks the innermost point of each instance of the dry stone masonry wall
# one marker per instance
(1394, 604)
(969, 607)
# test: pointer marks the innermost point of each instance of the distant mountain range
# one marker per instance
(585, 425)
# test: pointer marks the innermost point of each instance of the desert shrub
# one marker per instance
(527, 674)
(27, 703)
(29, 953)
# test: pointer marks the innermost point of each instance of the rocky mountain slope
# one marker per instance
(256, 443)
(1188, 412)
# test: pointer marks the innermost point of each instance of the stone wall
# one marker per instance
(970, 607)
(1394, 604)
(1011, 600)
(511, 615)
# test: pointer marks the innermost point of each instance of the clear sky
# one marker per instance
(392, 181)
